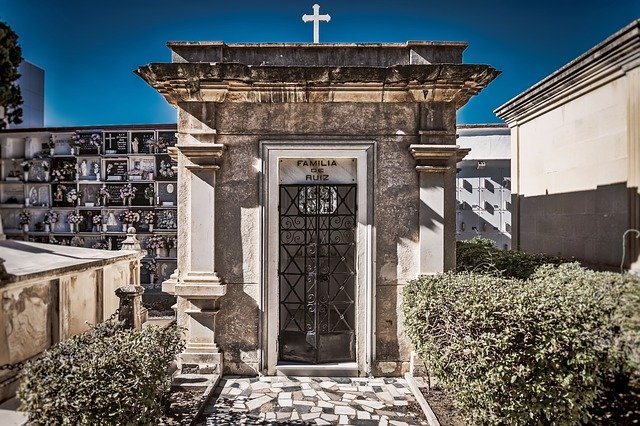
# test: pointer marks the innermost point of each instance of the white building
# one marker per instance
(484, 184)
(576, 155)
(31, 84)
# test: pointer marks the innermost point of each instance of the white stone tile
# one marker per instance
(344, 410)
(322, 395)
(344, 420)
(376, 405)
(363, 415)
(329, 417)
(258, 402)
(285, 402)
(309, 416)
(320, 421)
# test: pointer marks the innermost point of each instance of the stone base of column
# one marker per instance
(201, 359)
(201, 291)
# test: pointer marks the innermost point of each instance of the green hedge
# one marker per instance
(481, 255)
(541, 351)
(107, 375)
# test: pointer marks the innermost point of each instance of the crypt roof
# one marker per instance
(301, 72)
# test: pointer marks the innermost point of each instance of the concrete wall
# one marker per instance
(241, 127)
(571, 177)
(39, 311)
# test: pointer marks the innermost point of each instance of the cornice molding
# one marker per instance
(602, 64)
(232, 82)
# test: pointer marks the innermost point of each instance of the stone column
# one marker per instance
(436, 165)
(130, 309)
(197, 284)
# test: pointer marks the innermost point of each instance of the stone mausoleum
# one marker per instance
(315, 181)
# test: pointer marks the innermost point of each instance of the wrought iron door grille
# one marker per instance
(317, 272)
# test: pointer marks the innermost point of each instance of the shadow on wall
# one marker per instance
(587, 225)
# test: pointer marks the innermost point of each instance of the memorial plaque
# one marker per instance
(164, 165)
(87, 225)
(62, 144)
(139, 199)
(63, 169)
(165, 140)
(39, 170)
(167, 219)
(140, 167)
(89, 169)
(38, 195)
(12, 194)
(143, 142)
(116, 169)
(90, 142)
(167, 193)
(90, 192)
(317, 171)
(59, 195)
(114, 193)
(116, 143)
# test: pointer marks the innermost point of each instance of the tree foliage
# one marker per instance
(10, 58)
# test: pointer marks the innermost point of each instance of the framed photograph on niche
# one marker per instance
(141, 168)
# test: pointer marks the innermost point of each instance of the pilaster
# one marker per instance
(196, 282)
(436, 165)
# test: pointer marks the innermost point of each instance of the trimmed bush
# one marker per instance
(516, 352)
(107, 375)
(480, 255)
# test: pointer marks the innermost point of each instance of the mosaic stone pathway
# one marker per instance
(311, 401)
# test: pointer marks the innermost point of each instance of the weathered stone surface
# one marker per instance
(262, 103)
(354, 54)
(237, 334)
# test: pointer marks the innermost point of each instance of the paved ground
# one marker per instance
(312, 400)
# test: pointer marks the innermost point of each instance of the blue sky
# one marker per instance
(89, 48)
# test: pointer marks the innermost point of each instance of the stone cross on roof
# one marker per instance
(316, 18)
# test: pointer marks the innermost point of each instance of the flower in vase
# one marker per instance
(97, 219)
(156, 242)
(151, 266)
(73, 196)
(96, 140)
(104, 192)
(74, 218)
(25, 217)
(165, 169)
(128, 191)
(148, 217)
(51, 217)
(128, 217)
